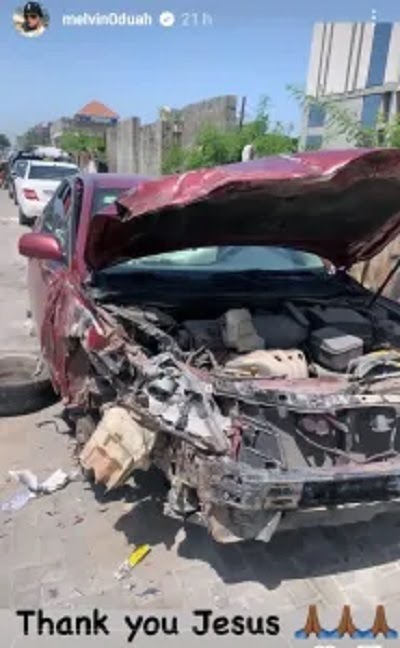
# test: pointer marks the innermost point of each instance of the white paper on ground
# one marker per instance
(17, 501)
(57, 480)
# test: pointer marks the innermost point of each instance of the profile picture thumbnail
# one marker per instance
(31, 20)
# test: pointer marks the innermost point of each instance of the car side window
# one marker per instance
(56, 215)
(20, 168)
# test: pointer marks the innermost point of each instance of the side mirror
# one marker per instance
(40, 246)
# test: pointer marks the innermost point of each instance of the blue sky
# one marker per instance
(255, 48)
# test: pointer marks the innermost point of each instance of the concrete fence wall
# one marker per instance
(135, 148)
(128, 143)
(219, 112)
(150, 149)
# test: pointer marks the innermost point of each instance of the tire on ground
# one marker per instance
(23, 389)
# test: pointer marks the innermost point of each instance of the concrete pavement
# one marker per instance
(63, 549)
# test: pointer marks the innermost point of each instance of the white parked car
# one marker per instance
(36, 186)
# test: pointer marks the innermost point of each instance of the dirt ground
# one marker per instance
(63, 549)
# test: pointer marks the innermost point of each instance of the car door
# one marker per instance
(46, 278)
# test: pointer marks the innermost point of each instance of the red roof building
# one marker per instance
(97, 111)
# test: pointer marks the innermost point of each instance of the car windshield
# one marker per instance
(104, 197)
(225, 259)
(51, 171)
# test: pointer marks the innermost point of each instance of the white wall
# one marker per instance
(392, 72)
(337, 59)
(366, 49)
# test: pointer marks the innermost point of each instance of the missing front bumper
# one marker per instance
(237, 486)
(247, 508)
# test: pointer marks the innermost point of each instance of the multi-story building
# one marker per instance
(356, 65)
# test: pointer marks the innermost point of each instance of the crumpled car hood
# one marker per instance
(342, 205)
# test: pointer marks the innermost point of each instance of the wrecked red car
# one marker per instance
(195, 325)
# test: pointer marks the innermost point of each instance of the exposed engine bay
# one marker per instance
(249, 411)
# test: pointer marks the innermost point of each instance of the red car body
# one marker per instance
(183, 408)
(55, 282)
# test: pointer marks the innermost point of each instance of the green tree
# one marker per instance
(75, 143)
(4, 142)
(391, 133)
(174, 161)
(341, 121)
(213, 147)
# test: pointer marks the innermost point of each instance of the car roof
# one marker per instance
(113, 180)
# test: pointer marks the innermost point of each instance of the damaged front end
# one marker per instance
(243, 435)
(258, 381)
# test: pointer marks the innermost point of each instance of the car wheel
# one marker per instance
(23, 387)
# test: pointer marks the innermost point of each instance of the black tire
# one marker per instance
(21, 391)
(22, 218)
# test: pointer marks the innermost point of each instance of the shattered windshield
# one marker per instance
(226, 259)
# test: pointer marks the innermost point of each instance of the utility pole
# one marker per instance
(242, 112)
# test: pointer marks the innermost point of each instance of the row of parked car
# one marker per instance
(32, 177)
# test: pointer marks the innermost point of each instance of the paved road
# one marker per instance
(63, 549)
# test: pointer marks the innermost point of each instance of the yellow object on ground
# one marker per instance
(138, 554)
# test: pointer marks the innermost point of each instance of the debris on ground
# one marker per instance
(78, 519)
(150, 591)
(17, 501)
(135, 557)
(26, 478)
(138, 554)
(76, 593)
(33, 488)
(56, 481)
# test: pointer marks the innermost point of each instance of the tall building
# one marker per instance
(357, 65)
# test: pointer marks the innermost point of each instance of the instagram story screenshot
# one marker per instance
(200, 338)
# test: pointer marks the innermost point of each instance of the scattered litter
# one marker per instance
(33, 488)
(135, 557)
(56, 481)
(150, 591)
(138, 554)
(78, 519)
(26, 478)
(123, 571)
(17, 501)
(41, 424)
